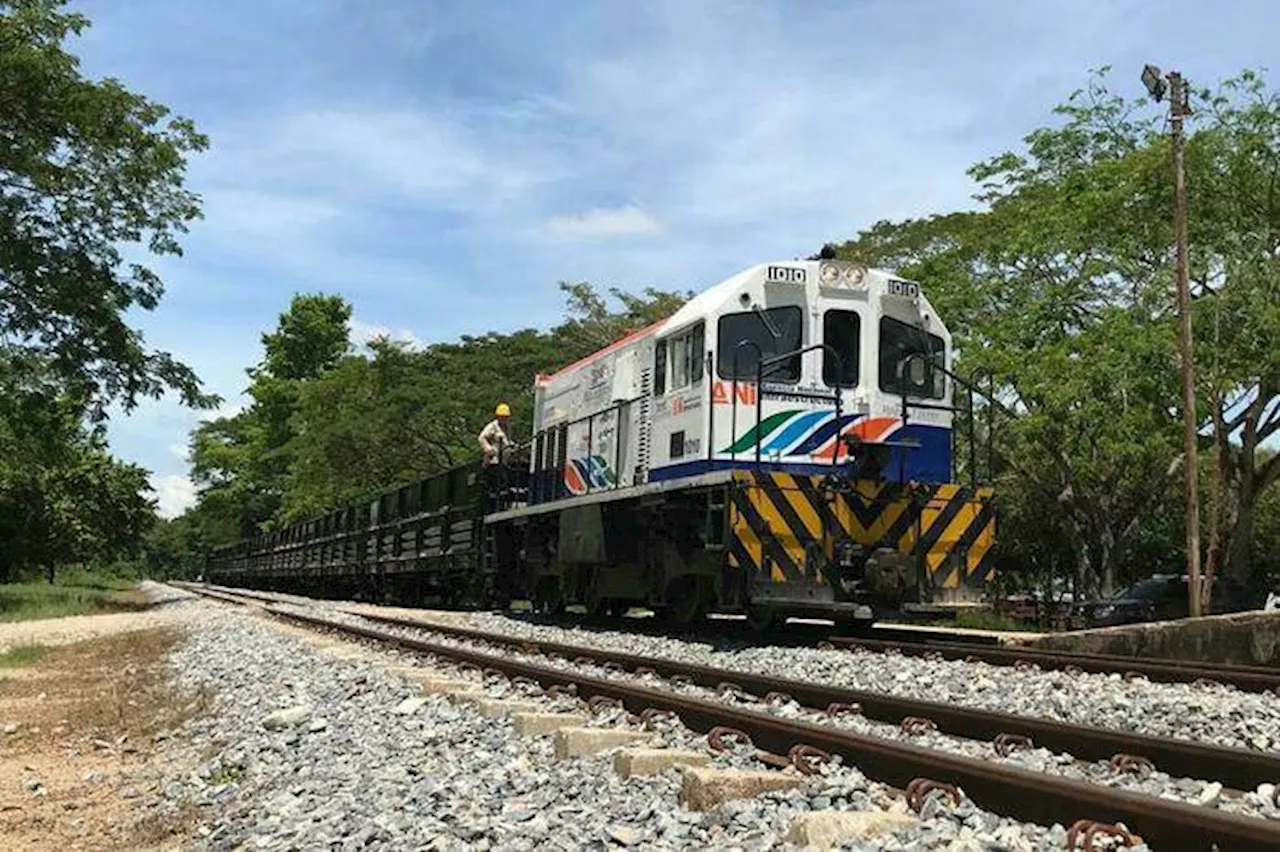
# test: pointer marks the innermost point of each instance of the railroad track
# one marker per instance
(1248, 678)
(1237, 767)
(1019, 793)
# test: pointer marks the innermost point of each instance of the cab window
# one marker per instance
(899, 340)
(679, 359)
(686, 357)
(775, 331)
(842, 331)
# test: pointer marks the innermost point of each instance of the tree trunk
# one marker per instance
(1252, 480)
(1217, 497)
(1106, 564)
(1239, 562)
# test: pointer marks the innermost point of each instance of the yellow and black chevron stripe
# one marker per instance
(784, 525)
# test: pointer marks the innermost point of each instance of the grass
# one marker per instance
(225, 775)
(23, 655)
(25, 601)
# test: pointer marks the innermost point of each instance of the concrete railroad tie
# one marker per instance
(654, 761)
(537, 724)
(830, 829)
(704, 788)
(584, 742)
(492, 708)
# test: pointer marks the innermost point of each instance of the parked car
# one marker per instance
(1160, 597)
(1157, 598)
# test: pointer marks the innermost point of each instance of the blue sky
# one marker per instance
(443, 164)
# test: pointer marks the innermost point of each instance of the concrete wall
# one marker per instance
(1246, 639)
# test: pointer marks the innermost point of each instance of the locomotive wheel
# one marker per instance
(763, 619)
(686, 603)
(548, 597)
(596, 605)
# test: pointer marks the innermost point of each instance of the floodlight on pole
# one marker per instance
(1154, 82)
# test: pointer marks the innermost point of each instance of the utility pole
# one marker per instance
(1179, 110)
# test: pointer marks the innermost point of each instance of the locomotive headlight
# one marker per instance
(854, 275)
(829, 273)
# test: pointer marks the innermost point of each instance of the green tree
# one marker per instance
(241, 463)
(87, 170)
(63, 498)
(1237, 278)
(375, 422)
(91, 186)
(174, 549)
(591, 323)
(1060, 285)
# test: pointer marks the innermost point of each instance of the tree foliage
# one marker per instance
(87, 170)
(1060, 286)
(63, 498)
(242, 463)
(91, 185)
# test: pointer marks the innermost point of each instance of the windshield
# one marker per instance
(1152, 588)
(762, 333)
(898, 340)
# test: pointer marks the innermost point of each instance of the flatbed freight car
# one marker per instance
(781, 446)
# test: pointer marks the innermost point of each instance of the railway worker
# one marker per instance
(493, 437)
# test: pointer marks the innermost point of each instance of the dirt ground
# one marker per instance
(77, 628)
(83, 736)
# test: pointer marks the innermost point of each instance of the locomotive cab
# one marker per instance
(781, 445)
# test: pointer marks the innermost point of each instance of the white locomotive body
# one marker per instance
(669, 401)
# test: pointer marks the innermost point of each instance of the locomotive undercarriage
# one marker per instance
(680, 555)
(609, 557)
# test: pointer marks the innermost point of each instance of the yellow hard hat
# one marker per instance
(504, 410)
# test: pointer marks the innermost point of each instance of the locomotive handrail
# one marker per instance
(836, 394)
(733, 392)
(971, 387)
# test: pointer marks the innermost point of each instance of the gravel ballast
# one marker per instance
(308, 752)
(1192, 791)
(1216, 715)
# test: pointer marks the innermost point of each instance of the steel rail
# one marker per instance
(1249, 678)
(1234, 767)
(1160, 670)
(1017, 793)
(227, 597)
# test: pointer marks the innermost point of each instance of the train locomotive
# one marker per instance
(782, 446)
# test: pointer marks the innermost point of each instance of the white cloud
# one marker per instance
(174, 494)
(311, 165)
(603, 222)
(363, 333)
(179, 451)
(244, 215)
